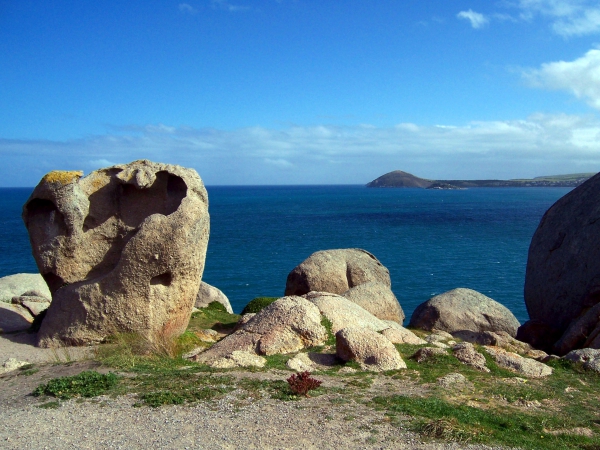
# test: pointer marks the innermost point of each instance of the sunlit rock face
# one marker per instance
(122, 250)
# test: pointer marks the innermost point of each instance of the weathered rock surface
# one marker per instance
(239, 358)
(23, 283)
(402, 336)
(426, 353)
(501, 339)
(208, 294)
(464, 309)
(369, 348)
(14, 318)
(12, 364)
(563, 267)
(465, 352)
(285, 326)
(309, 362)
(584, 355)
(343, 313)
(583, 332)
(378, 299)
(524, 366)
(122, 250)
(336, 271)
(452, 379)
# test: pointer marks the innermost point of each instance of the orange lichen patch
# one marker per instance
(62, 176)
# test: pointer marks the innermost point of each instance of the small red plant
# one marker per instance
(302, 383)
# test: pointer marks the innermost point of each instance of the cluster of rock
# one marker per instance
(354, 301)
(123, 249)
(562, 282)
(355, 304)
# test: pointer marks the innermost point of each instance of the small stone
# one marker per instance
(301, 363)
(12, 364)
(452, 379)
(425, 353)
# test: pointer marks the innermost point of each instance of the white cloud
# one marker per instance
(580, 77)
(538, 145)
(187, 8)
(477, 20)
(569, 17)
(224, 4)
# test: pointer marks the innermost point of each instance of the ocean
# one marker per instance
(430, 240)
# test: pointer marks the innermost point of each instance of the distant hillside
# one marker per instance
(400, 179)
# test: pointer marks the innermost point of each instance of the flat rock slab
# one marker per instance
(20, 283)
(515, 363)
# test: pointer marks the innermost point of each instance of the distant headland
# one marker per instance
(400, 179)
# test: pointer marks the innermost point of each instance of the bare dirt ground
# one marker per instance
(229, 423)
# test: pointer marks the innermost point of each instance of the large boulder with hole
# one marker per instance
(31, 284)
(378, 299)
(464, 309)
(286, 326)
(368, 348)
(122, 250)
(336, 271)
(208, 294)
(562, 279)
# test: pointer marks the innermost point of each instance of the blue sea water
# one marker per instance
(431, 241)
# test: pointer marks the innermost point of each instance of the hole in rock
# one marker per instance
(44, 221)
(163, 279)
(163, 197)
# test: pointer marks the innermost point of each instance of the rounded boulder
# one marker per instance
(336, 271)
(562, 279)
(464, 310)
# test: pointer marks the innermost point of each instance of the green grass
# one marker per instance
(214, 318)
(439, 418)
(258, 304)
(86, 384)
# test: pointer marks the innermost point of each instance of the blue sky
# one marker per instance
(299, 91)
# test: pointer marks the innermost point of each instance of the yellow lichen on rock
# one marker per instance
(62, 176)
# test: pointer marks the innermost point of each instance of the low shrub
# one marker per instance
(258, 304)
(302, 382)
(87, 384)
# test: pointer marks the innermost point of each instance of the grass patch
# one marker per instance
(439, 418)
(50, 405)
(329, 327)
(258, 304)
(214, 318)
(86, 384)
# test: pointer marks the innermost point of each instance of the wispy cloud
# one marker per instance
(538, 145)
(187, 8)
(224, 4)
(477, 20)
(580, 77)
(569, 17)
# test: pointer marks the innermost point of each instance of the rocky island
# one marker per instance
(401, 179)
